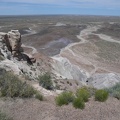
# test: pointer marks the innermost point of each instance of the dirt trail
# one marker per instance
(107, 38)
(81, 36)
(34, 50)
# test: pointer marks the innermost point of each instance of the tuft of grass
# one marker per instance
(79, 103)
(64, 98)
(83, 93)
(46, 81)
(101, 95)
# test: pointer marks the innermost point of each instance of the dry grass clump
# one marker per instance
(12, 86)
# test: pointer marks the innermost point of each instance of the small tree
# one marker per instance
(45, 81)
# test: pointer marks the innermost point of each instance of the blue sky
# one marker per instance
(38, 7)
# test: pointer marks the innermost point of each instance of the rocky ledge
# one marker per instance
(10, 46)
(14, 59)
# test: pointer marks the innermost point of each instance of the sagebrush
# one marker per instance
(79, 103)
(12, 86)
(101, 95)
(64, 98)
(83, 93)
(46, 81)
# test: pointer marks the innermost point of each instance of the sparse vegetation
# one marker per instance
(115, 91)
(39, 96)
(11, 86)
(3, 116)
(79, 103)
(45, 81)
(64, 98)
(83, 93)
(101, 95)
(91, 90)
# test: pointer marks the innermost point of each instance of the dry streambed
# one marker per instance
(77, 62)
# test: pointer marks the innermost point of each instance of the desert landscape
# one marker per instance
(76, 51)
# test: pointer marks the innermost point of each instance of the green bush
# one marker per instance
(39, 96)
(45, 81)
(64, 98)
(101, 95)
(4, 117)
(91, 90)
(83, 93)
(11, 86)
(115, 91)
(79, 103)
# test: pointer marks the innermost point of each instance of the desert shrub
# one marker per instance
(116, 94)
(39, 96)
(64, 98)
(45, 81)
(79, 103)
(26, 91)
(101, 95)
(91, 90)
(12, 86)
(83, 93)
(3, 116)
(115, 91)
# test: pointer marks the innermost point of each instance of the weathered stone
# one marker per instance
(10, 46)
(14, 38)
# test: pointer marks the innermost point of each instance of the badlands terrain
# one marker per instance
(84, 50)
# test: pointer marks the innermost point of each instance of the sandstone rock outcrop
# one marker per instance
(10, 46)
(14, 39)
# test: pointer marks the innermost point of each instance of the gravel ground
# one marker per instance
(32, 109)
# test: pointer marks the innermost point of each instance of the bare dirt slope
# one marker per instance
(32, 109)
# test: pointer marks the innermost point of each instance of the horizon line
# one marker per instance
(60, 15)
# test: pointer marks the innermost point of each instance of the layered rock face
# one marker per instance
(14, 59)
(10, 46)
(14, 42)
